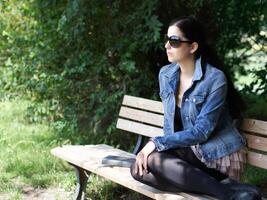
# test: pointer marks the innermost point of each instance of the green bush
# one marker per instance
(76, 59)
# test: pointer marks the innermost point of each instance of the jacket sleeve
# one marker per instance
(205, 123)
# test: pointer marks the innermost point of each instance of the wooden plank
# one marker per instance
(256, 142)
(89, 157)
(141, 103)
(169, 197)
(182, 196)
(139, 128)
(141, 116)
(257, 159)
(254, 126)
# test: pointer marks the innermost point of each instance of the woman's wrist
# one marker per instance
(151, 140)
(148, 148)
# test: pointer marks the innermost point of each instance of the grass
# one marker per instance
(25, 159)
(25, 152)
(255, 176)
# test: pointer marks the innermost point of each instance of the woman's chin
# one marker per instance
(171, 60)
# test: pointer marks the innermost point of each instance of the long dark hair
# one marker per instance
(193, 31)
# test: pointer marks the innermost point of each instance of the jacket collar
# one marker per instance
(174, 68)
(198, 70)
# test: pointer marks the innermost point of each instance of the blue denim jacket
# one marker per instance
(204, 113)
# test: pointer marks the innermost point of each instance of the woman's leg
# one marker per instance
(155, 180)
(169, 172)
(188, 155)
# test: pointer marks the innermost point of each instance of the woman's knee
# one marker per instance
(153, 159)
(152, 162)
(134, 175)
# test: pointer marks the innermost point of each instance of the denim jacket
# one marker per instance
(204, 113)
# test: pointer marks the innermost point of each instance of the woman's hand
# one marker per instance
(141, 158)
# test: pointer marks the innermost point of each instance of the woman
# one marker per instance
(200, 147)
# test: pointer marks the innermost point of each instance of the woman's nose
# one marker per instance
(167, 45)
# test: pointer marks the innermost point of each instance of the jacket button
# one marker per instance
(194, 100)
(186, 99)
(187, 118)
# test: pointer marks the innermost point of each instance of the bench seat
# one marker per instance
(89, 157)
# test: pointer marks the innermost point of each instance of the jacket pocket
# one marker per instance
(195, 105)
(197, 99)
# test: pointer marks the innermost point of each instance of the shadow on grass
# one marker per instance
(100, 189)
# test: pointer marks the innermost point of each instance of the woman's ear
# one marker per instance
(194, 47)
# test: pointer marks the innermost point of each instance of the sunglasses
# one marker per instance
(175, 41)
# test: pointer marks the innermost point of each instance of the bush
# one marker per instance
(76, 59)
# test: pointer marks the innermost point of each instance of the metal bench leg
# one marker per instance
(138, 145)
(82, 177)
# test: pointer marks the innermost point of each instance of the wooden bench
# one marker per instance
(145, 118)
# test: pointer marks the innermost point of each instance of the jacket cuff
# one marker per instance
(158, 143)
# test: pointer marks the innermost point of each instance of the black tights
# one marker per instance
(180, 170)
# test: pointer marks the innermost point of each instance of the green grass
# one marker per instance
(25, 152)
(25, 159)
(255, 175)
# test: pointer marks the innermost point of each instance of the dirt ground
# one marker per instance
(30, 193)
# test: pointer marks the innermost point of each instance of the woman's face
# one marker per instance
(182, 52)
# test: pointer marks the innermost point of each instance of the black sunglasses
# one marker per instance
(175, 41)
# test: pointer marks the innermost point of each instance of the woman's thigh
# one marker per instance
(188, 155)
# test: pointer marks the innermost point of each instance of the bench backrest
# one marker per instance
(145, 117)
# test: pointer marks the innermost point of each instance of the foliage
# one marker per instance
(76, 59)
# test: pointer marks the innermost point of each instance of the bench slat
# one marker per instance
(141, 116)
(183, 197)
(141, 103)
(257, 159)
(256, 142)
(254, 126)
(135, 127)
(89, 157)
